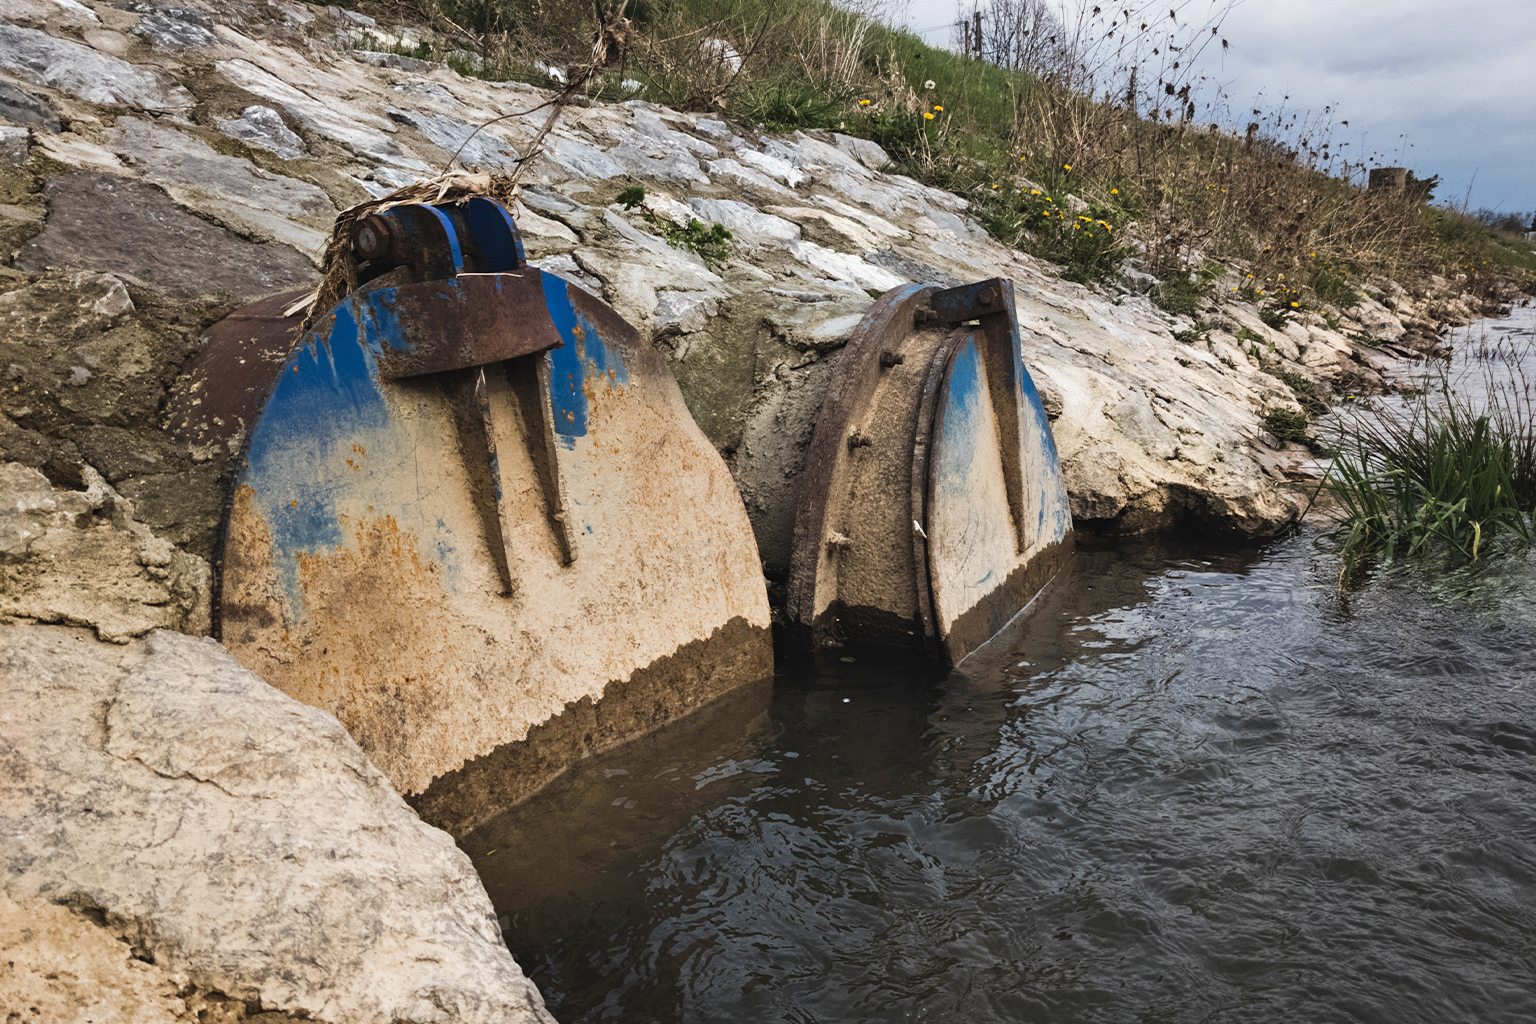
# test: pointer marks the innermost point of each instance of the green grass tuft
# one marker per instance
(1440, 475)
(713, 242)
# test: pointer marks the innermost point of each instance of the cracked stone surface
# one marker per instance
(82, 558)
(237, 838)
(264, 127)
(88, 74)
(106, 223)
(259, 204)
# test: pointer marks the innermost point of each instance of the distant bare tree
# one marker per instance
(1021, 35)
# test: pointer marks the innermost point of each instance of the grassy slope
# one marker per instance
(1018, 147)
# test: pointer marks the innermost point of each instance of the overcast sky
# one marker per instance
(1449, 86)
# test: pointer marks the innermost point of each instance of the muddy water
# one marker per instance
(1192, 786)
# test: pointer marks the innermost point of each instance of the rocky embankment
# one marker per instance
(189, 842)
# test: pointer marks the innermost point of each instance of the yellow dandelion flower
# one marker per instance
(863, 103)
(1114, 191)
(927, 116)
(1295, 305)
(938, 108)
(1034, 191)
(994, 186)
(1067, 166)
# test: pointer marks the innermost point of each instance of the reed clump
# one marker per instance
(1442, 473)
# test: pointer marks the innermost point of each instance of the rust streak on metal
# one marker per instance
(233, 371)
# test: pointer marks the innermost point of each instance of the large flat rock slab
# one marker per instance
(236, 838)
(109, 224)
(259, 204)
(89, 74)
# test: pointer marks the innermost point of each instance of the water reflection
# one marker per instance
(1187, 787)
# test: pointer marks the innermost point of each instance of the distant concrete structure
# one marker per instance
(1388, 177)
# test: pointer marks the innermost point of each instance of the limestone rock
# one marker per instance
(363, 134)
(830, 229)
(56, 14)
(264, 127)
(684, 312)
(864, 151)
(27, 108)
(14, 143)
(176, 28)
(661, 158)
(731, 172)
(239, 841)
(392, 60)
(80, 557)
(743, 219)
(841, 266)
(579, 160)
(474, 148)
(92, 76)
(77, 352)
(775, 167)
(61, 966)
(262, 205)
(104, 223)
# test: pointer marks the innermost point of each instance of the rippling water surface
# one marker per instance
(1192, 786)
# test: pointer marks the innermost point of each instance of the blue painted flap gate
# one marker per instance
(470, 499)
(931, 510)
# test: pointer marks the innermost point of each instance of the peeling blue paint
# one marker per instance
(586, 353)
(567, 374)
(381, 320)
(965, 389)
(1055, 510)
(327, 399)
(333, 441)
(296, 431)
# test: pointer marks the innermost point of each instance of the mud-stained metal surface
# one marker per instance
(232, 373)
(932, 508)
(462, 514)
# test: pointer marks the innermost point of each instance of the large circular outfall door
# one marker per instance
(472, 510)
(931, 510)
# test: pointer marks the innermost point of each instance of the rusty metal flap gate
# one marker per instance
(470, 499)
(931, 509)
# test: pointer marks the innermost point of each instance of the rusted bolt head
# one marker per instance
(371, 237)
(987, 295)
(892, 358)
(924, 315)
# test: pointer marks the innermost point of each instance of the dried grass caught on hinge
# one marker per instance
(338, 266)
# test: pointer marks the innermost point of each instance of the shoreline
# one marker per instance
(184, 169)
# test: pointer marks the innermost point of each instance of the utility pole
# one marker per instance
(976, 32)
